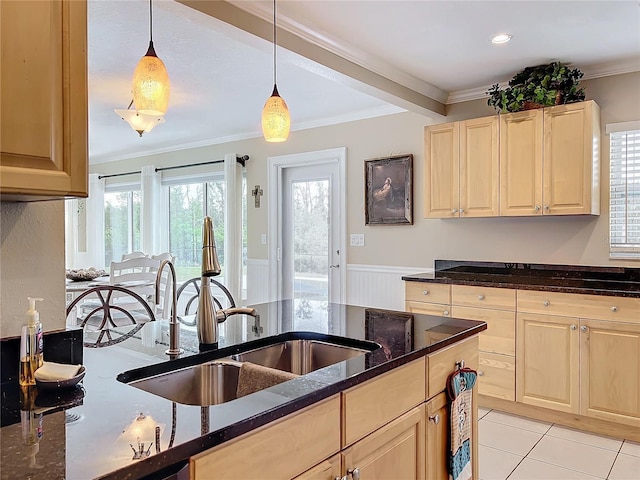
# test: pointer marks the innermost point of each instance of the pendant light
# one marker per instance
(140, 122)
(276, 121)
(151, 80)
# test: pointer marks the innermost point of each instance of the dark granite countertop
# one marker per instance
(614, 281)
(82, 432)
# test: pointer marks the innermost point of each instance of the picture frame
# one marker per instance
(392, 330)
(389, 190)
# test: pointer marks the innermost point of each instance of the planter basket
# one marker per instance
(527, 105)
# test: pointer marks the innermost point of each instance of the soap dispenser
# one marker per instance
(31, 343)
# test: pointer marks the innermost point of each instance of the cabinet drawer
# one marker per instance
(497, 376)
(500, 335)
(599, 307)
(372, 404)
(441, 363)
(428, 308)
(427, 292)
(304, 439)
(483, 297)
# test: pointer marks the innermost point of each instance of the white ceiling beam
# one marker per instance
(335, 67)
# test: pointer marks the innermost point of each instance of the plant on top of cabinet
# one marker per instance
(540, 86)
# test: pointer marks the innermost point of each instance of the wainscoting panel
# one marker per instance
(257, 281)
(378, 286)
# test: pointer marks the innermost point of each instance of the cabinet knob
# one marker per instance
(454, 210)
(425, 292)
(435, 418)
(614, 309)
(537, 208)
(480, 297)
(445, 313)
(546, 208)
(354, 472)
(546, 303)
(480, 373)
(461, 211)
(583, 328)
(573, 327)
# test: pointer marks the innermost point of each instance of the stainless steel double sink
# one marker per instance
(216, 381)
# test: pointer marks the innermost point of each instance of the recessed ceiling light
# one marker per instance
(501, 38)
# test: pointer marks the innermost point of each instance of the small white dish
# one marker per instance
(61, 384)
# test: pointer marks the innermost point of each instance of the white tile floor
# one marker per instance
(516, 448)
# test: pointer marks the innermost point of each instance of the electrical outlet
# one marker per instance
(357, 240)
(263, 239)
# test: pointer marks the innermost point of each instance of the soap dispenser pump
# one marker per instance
(31, 345)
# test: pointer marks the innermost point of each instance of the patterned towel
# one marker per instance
(459, 386)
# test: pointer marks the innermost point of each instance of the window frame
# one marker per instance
(627, 250)
(129, 188)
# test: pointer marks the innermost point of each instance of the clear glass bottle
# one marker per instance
(31, 345)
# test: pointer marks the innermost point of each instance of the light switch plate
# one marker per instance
(263, 239)
(357, 240)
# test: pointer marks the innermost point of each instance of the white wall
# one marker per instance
(31, 264)
(563, 240)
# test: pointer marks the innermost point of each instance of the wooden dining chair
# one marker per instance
(111, 321)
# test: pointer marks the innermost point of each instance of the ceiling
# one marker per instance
(337, 60)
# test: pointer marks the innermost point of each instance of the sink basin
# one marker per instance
(299, 356)
(210, 383)
(215, 380)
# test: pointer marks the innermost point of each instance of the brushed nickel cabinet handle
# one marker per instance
(546, 207)
(445, 313)
(583, 328)
(435, 418)
(480, 373)
(573, 327)
(480, 297)
(546, 303)
(614, 309)
(454, 210)
(537, 208)
(425, 292)
(354, 472)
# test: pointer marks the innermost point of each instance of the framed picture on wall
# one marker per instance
(389, 190)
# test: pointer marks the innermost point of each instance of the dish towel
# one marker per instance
(253, 378)
(459, 386)
(50, 371)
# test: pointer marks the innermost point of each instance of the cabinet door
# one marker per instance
(479, 171)
(328, 470)
(43, 146)
(547, 364)
(521, 163)
(442, 182)
(437, 451)
(571, 146)
(396, 450)
(610, 371)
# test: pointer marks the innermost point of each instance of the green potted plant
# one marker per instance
(540, 86)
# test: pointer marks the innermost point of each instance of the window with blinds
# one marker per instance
(624, 200)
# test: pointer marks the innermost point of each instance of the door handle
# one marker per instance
(334, 266)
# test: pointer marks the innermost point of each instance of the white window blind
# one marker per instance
(624, 200)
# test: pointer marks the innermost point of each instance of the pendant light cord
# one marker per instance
(274, 43)
(150, 21)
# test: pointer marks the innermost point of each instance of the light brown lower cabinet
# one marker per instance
(548, 360)
(393, 451)
(437, 453)
(610, 371)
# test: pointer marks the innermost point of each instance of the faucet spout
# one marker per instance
(174, 326)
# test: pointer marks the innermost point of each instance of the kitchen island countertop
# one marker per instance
(84, 434)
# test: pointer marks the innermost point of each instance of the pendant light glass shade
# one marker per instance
(151, 85)
(276, 121)
(140, 122)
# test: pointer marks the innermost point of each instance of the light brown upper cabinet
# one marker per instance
(43, 133)
(549, 161)
(462, 169)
